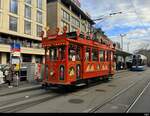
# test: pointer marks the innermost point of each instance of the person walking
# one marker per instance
(10, 75)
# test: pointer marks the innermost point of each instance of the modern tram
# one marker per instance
(139, 62)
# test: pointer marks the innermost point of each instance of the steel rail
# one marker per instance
(137, 98)
(18, 99)
(93, 110)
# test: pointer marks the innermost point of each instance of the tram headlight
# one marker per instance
(51, 73)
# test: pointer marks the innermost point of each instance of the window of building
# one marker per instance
(83, 28)
(26, 58)
(14, 6)
(27, 27)
(13, 23)
(28, 1)
(101, 53)
(94, 55)
(39, 59)
(39, 4)
(2, 40)
(39, 16)
(63, 23)
(0, 18)
(65, 15)
(27, 12)
(73, 28)
(0, 4)
(89, 28)
(39, 30)
(75, 22)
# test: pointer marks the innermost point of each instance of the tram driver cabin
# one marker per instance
(72, 58)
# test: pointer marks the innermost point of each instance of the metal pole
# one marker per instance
(121, 42)
(122, 39)
(128, 46)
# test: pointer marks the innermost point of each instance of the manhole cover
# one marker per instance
(100, 90)
(112, 85)
(76, 101)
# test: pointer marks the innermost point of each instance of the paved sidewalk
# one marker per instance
(23, 86)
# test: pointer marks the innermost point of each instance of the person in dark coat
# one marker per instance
(10, 75)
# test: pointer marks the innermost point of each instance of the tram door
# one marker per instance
(75, 61)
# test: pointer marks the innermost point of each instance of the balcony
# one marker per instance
(24, 50)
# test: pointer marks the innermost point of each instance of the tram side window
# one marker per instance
(94, 55)
(78, 55)
(107, 58)
(72, 53)
(53, 54)
(87, 55)
(112, 56)
(101, 55)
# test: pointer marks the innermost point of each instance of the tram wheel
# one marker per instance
(69, 88)
(44, 85)
(106, 79)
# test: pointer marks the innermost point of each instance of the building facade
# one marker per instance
(21, 21)
(68, 13)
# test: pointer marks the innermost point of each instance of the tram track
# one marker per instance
(14, 105)
(23, 98)
(109, 100)
(17, 107)
(21, 103)
(137, 98)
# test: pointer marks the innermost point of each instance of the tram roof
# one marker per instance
(74, 38)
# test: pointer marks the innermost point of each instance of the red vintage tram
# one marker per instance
(72, 58)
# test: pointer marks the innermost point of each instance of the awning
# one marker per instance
(122, 53)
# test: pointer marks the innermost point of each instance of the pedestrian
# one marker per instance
(37, 71)
(10, 75)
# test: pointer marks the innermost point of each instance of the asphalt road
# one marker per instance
(116, 95)
(142, 104)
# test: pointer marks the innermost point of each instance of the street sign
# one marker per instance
(15, 47)
(16, 54)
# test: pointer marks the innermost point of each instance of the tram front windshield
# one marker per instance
(138, 61)
(57, 53)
